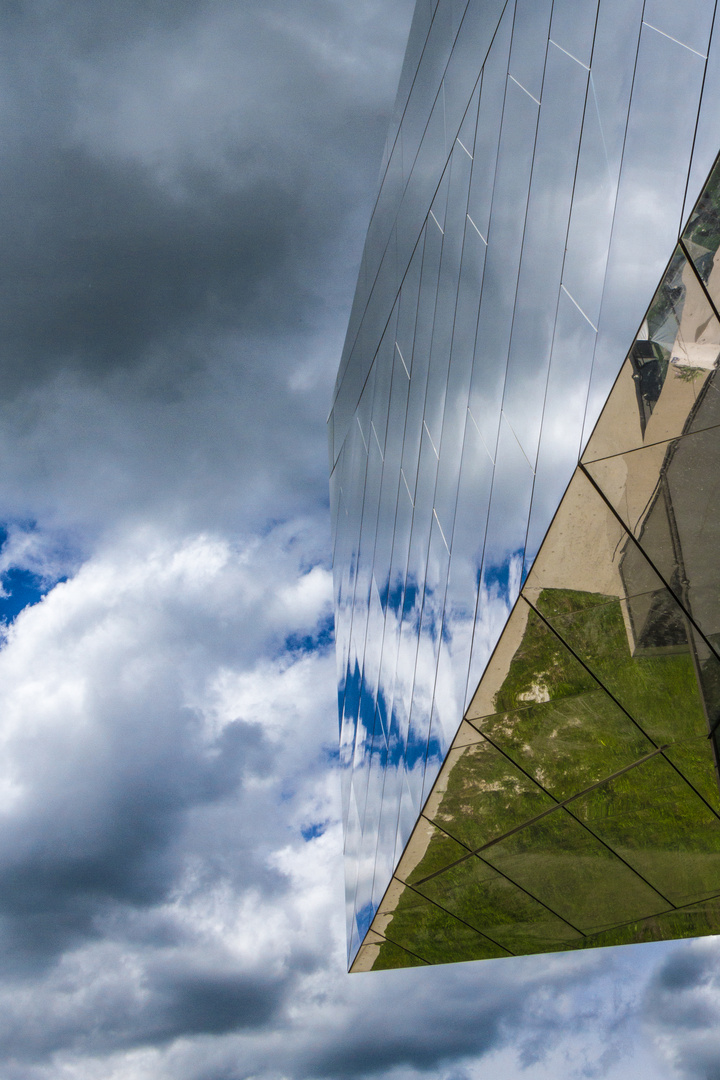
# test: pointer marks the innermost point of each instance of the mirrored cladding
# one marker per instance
(553, 175)
(702, 233)
(429, 851)
(653, 819)
(645, 229)
(529, 44)
(574, 874)
(573, 28)
(481, 795)
(688, 23)
(382, 955)
(483, 898)
(532, 193)
(569, 744)
(667, 495)
(691, 921)
(433, 933)
(662, 388)
(598, 592)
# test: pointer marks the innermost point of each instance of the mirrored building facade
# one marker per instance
(525, 487)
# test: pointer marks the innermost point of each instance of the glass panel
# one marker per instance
(413, 628)
(504, 547)
(557, 861)
(421, 357)
(657, 394)
(529, 44)
(385, 211)
(351, 849)
(707, 135)
(686, 922)
(482, 795)
(544, 240)
(702, 234)
(419, 29)
(467, 547)
(509, 511)
(429, 642)
(601, 149)
(458, 387)
(503, 257)
(408, 814)
(427, 81)
(447, 712)
(492, 96)
(658, 825)
(573, 27)
(454, 229)
(666, 96)
(426, 175)
(563, 416)
(471, 46)
(689, 22)
(384, 956)
(556, 721)
(434, 933)
(486, 900)
(407, 313)
(387, 825)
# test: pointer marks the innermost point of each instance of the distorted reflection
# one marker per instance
(575, 808)
(525, 206)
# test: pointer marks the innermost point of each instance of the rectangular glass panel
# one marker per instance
(663, 112)
(689, 22)
(529, 44)
(473, 41)
(707, 135)
(482, 795)
(483, 898)
(544, 242)
(564, 867)
(658, 825)
(487, 138)
(563, 416)
(601, 149)
(659, 390)
(573, 27)
(435, 934)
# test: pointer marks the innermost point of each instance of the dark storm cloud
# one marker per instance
(181, 1004)
(114, 243)
(429, 1022)
(121, 268)
(185, 191)
(115, 839)
(677, 994)
(682, 1009)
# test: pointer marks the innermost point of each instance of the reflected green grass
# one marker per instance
(534, 890)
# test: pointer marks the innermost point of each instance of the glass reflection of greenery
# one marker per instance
(573, 737)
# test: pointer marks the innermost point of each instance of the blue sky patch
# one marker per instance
(21, 586)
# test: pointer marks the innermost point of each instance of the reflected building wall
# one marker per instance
(539, 170)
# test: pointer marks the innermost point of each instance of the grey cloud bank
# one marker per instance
(186, 186)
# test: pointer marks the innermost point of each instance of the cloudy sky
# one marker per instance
(185, 189)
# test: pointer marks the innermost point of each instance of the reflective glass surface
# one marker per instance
(525, 489)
